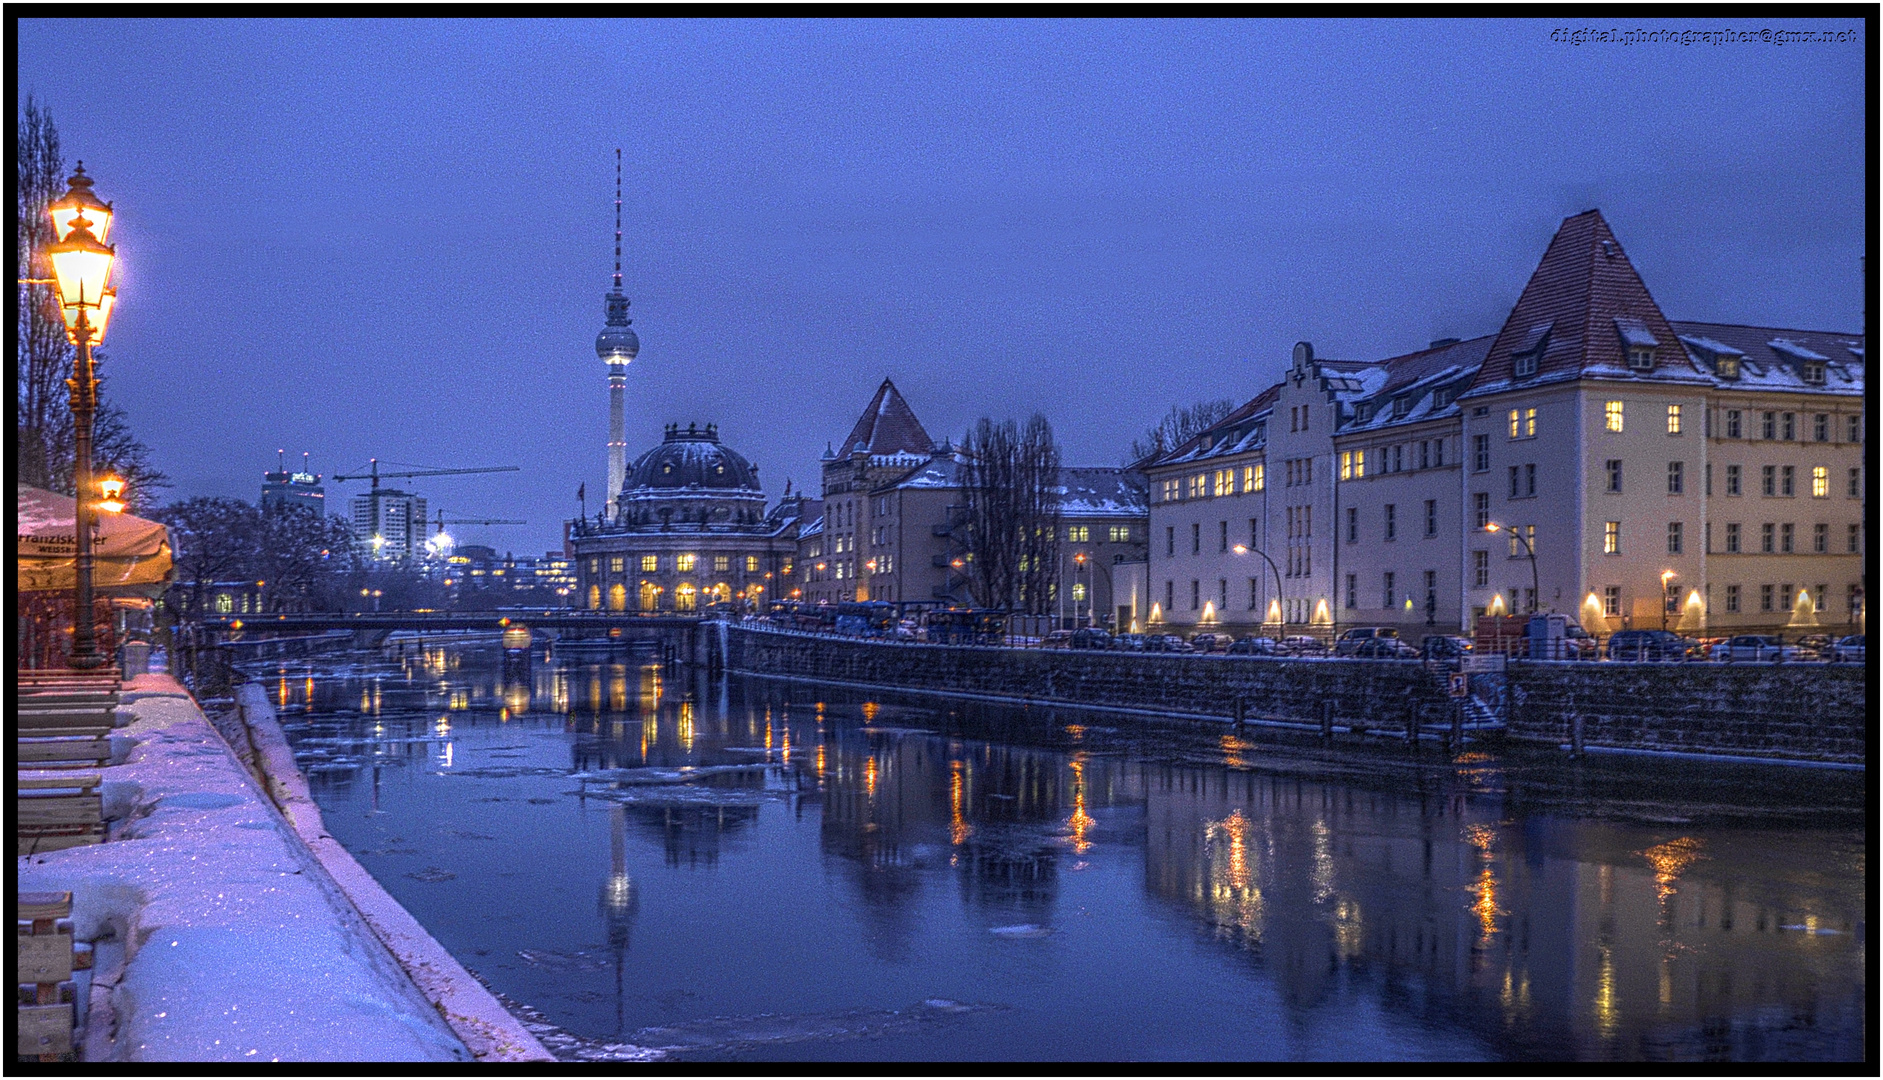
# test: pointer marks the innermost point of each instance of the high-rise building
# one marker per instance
(284, 488)
(617, 345)
(389, 524)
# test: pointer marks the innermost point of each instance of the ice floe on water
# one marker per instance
(1022, 930)
(682, 775)
(734, 1035)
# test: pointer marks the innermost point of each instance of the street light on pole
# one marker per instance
(1536, 591)
(81, 267)
(1244, 549)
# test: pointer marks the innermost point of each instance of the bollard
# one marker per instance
(1327, 721)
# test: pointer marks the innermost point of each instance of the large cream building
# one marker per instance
(1700, 476)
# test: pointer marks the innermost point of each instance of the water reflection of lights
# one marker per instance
(820, 761)
(1077, 731)
(1232, 748)
(870, 709)
(1079, 823)
(686, 725)
(958, 828)
(1323, 875)
(1483, 888)
(1669, 860)
(1234, 896)
(1607, 1018)
(869, 776)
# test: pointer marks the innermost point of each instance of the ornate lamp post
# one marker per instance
(81, 267)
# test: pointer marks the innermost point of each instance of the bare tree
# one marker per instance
(1181, 424)
(1013, 490)
(212, 539)
(42, 416)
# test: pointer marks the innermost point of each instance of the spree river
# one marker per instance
(752, 870)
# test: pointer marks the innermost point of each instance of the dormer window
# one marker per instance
(1812, 371)
(1727, 367)
(1523, 364)
(1403, 405)
(1528, 354)
(1638, 341)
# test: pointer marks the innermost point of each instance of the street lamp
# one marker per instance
(1536, 591)
(81, 267)
(1244, 549)
(111, 495)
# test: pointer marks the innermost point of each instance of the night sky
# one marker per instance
(392, 238)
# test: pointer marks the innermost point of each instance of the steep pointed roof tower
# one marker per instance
(1583, 312)
(888, 426)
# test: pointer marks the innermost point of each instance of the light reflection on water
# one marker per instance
(1081, 891)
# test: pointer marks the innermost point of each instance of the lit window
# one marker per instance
(1529, 423)
(1199, 486)
(1611, 538)
(1820, 482)
(1346, 465)
(617, 564)
(650, 563)
(1225, 482)
(1516, 423)
(1171, 490)
(1252, 479)
(1673, 419)
(1120, 534)
(751, 564)
(683, 562)
(1078, 590)
(1611, 415)
(1359, 464)
(1078, 534)
(722, 563)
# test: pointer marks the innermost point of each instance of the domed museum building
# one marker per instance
(688, 529)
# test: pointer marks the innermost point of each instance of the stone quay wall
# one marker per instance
(1791, 712)
(1807, 711)
(1375, 694)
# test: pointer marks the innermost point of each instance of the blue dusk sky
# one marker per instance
(392, 239)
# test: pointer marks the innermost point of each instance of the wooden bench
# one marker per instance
(47, 956)
(90, 750)
(64, 721)
(58, 812)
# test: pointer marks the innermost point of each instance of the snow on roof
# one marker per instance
(1792, 348)
(1099, 492)
(1709, 345)
(816, 526)
(941, 471)
(1635, 332)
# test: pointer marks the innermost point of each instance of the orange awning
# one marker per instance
(130, 554)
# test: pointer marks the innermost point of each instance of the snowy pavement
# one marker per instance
(220, 936)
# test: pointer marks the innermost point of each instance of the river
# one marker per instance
(758, 870)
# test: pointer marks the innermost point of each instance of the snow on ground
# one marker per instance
(236, 944)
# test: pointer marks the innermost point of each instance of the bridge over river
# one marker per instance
(371, 628)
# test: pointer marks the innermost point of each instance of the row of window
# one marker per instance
(1778, 538)
(1390, 521)
(684, 562)
(1396, 458)
(1783, 426)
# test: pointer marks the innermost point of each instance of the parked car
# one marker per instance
(1091, 637)
(1302, 645)
(1166, 643)
(1255, 646)
(1206, 643)
(1646, 645)
(1583, 642)
(1444, 647)
(1350, 640)
(1383, 648)
(1756, 648)
(1846, 650)
(1129, 643)
(1057, 639)
(1813, 646)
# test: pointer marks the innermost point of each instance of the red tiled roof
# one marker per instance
(1583, 284)
(888, 426)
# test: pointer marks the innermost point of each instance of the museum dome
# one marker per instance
(691, 480)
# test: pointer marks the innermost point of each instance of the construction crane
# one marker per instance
(375, 474)
(443, 521)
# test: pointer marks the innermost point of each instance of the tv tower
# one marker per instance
(617, 345)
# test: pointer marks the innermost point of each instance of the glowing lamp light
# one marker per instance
(1497, 606)
(79, 200)
(1491, 526)
(1274, 611)
(81, 266)
(111, 495)
(1240, 549)
(957, 564)
(1322, 616)
(1209, 611)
